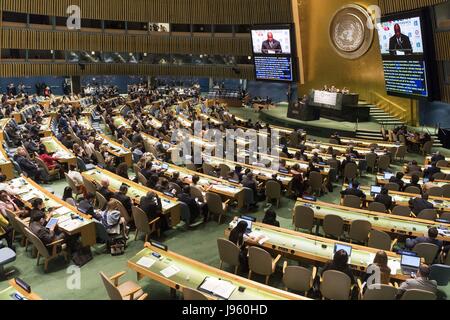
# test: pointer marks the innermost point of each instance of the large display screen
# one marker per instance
(404, 50)
(273, 53)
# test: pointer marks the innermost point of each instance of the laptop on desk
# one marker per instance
(409, 263)
(388, 176)
(374, 191)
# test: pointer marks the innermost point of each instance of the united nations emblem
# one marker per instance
(350, 35)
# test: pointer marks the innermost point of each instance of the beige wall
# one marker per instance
(322, 65)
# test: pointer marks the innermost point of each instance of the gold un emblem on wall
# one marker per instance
(350, 35)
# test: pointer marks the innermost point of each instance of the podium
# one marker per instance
(303, 111)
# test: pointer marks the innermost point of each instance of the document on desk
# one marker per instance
(146, 262)
(170, 271)
(62, 210)
(217, 287)
(394, 266)
(29, 196)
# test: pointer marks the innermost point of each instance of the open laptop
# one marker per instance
(374, 191)
(249, 221)
(409, 263)
(388, 175)
(338, 247)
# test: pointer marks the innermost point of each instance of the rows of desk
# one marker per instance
(170, 205)
(191, 274)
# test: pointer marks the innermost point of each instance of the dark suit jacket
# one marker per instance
(125, 200)
(29, 167)
(400, 182)
(354, 192)
(431, 171)
(419, 204)
(384, 199)
(276, 45)
(406, 46)
(191, 203)
(151, 208)
(106, 193)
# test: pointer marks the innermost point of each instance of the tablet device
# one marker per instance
(52, 223)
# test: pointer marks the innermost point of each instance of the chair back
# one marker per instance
(441, 274)
(228, 252)
(123, 211)
(359, 230)
(401, 152)
(140, 220)
(197, 193)
(303, 218)
(333, 225)
(100, 158)
(224, 170)
(392, 186)
(442, 164)
(350, 171)
(413, 190)
(352, 201)
(101, 232)
(428, 214)
(427, 251)
(214, 202)
(297, 278)
(380, 292)
(377, 207)
(70, 182)
(402, 211)
(383, 162)
(136, 170)
(37, 243)
(371, 159)
(315, 180)
(142, 179)
(427, 147)
(90, 186)
(446, 191)
(335, 285)
(439, 176)
(176, 187)
(273, 190)
(111, 289)
(418, 295)
(193, 295)
(81, 165)
(436, 192)
(209, 170)
(379, 240)
(101, 200)
(260, 261)
(42, 165)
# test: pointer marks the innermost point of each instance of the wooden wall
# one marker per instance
(174, 11)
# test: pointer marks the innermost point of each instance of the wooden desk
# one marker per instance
(425, 167)
(402, 198)
(192, 274)
(260, 173)
(45, 129)
(28, 190)
(404, 226)
(170, 206)
(407, 179)
(117, 150)
(120, 121)
(222, 187)
(298, 246)
(6, 294)
(343, 149)
(367, 143)
(53, 145)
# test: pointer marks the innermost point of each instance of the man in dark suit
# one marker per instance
(399, 42)
(185, 197)
(271, 45)
(433, 233)
(398, 179)
(419, 204)
(354, 191)
(151, 205)
(384, 198)
(437, 157)
(123, 198)
(431, 171)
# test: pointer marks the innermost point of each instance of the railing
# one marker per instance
(390, 107)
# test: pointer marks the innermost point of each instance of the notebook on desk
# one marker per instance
(409, 263)
(217, 287)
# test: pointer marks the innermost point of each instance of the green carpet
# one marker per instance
(199, 244)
